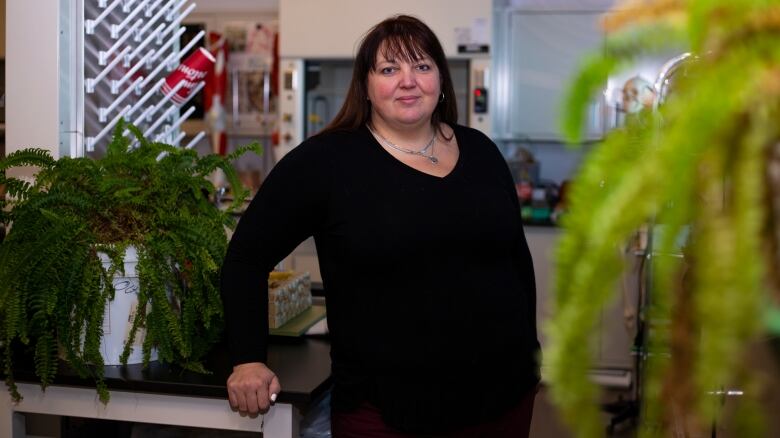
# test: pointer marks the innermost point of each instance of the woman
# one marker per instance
(428, 277)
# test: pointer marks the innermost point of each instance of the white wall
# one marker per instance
(332, 29)
(32, 75)
(237, 6)
(216, 21)
(558, 5)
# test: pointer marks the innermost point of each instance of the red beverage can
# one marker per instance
(192, 70)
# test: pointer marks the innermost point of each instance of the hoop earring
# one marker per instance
(441, 99)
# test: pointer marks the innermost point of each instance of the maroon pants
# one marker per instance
(366, 422)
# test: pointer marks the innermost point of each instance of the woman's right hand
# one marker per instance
(251, 387)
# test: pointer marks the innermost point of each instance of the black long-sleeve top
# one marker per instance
(429, 281)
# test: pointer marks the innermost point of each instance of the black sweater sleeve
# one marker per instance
(286, 210)
(522, 253)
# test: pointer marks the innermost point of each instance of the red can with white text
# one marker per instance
(191, 71)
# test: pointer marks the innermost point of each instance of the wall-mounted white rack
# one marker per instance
(130, 46)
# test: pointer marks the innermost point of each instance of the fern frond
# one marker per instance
(241, 150)
(46, 358)
(26, 157)
(16, 188)
(119, 143)
(139, 136)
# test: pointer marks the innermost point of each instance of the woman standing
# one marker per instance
(428, 278)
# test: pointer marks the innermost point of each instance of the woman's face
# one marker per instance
(403, 93)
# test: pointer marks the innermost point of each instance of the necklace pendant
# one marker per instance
(433, 159)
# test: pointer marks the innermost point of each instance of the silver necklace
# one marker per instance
(421, 152)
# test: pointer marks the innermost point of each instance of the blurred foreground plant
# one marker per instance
(707, 160)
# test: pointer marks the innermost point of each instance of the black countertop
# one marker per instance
(301, 364)
(539, 223)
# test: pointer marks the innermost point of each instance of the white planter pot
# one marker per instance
(120, 312)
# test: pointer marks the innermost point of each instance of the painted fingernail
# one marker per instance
(273, 397)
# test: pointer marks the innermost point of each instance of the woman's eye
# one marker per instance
(387, 70)
(423, 67)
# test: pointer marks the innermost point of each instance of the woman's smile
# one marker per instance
(408, 99)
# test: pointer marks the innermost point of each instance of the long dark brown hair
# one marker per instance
(399, 37)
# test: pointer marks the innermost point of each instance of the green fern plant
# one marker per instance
(707, 161)
(53, 286)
